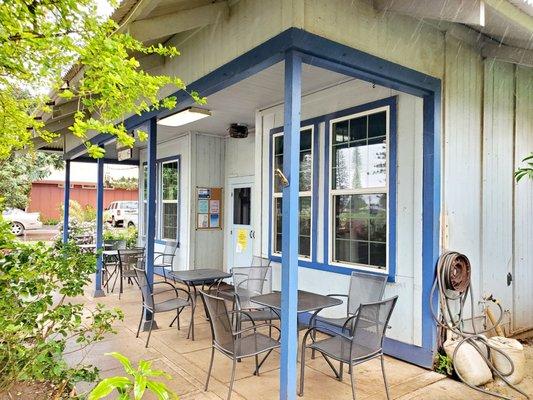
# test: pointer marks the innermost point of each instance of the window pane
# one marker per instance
(349, 163)
(358, 128)
(304, 238)
(341, 132)
(170, 181)
(377, 124)
(306, 160)
(277, 225)
(170, 220)
(305, 221)
(377, 162)
(241, 206)
(145, 182)
(360, 229)
(306, 173)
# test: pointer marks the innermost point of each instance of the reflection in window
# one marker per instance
(359, 189)
(169, 199)
(306, 187)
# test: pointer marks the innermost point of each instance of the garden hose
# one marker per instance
(453, 281)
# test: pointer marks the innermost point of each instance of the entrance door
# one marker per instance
(241, 231)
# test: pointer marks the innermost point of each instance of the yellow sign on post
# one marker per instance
(242, 240)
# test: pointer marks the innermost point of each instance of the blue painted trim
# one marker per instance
(430, 211)
(151, 201)
(289, 262)
(106, 160)
(99, 225)
(391, 102)
(66, 202)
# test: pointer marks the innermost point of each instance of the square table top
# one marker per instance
(199, 275)
(307, 301)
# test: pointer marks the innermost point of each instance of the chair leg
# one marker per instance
(210, 368)
(384, 376)
(232, 378)
(341, 370)
(302, 369)
(256, 365)
(150, 331)
(352, 382)
(140, 323)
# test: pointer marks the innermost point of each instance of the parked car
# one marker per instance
(123, 213)
(22, 220)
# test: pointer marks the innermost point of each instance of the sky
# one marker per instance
(86, 172)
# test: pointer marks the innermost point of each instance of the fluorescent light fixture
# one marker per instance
(184, 117)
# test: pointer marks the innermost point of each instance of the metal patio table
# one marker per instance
(307, 302)
(193, 279)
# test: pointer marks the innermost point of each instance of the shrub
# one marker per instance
(38, 319)
(134, 386)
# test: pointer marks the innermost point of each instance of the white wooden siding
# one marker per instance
(523, 226)
(497, 198)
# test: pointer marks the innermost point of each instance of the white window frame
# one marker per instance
(308, 193)
(162, 201)
(376, 190)
(144, 207)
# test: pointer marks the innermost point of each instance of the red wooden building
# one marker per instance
(46, 197)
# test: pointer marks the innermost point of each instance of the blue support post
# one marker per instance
(98, 292)
(151, 208)
(66, 201)
(290, 221)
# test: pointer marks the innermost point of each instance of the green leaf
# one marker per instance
(124, 361)
(106, 386)
(140, 386)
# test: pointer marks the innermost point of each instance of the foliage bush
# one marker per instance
(129, 235)
(39, 322)
(134, 386)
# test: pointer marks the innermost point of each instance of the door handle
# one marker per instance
(251, 234)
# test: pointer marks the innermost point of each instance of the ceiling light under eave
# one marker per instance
(184, 117)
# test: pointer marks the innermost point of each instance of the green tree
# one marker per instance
(18, 171)
(40, 39)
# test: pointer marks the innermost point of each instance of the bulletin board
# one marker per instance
(208, 208)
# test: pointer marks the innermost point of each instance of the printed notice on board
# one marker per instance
(203, 206)
(214, 221)
(203, 220)
(242, 240)
(204, 193)
(214, 206)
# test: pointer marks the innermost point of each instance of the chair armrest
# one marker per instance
(174, 288)
(330, 332)
(337, 295)
(255, 327)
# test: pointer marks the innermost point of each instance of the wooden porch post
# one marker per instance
(98, 292)
(66, 201)
(290, 209)
(151, 207)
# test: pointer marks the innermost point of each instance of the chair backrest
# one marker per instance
(116, 244)
(252, 280)
(220, 322)
(146, 291)
(130, 259)
(258, 261)
(171, 248)
(371, 324)
(365, 288)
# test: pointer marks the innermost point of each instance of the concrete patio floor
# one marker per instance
(187, 362)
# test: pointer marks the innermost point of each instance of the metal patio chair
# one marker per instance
(110, 262)
(258, 261)
(363, 344)
(235, 344)
(249, 282)
(128, 259)
(165, 258)
(364, 288)
(150, 306)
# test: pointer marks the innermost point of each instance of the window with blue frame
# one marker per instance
(169, 199)
(305, 195)
(359, 189)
